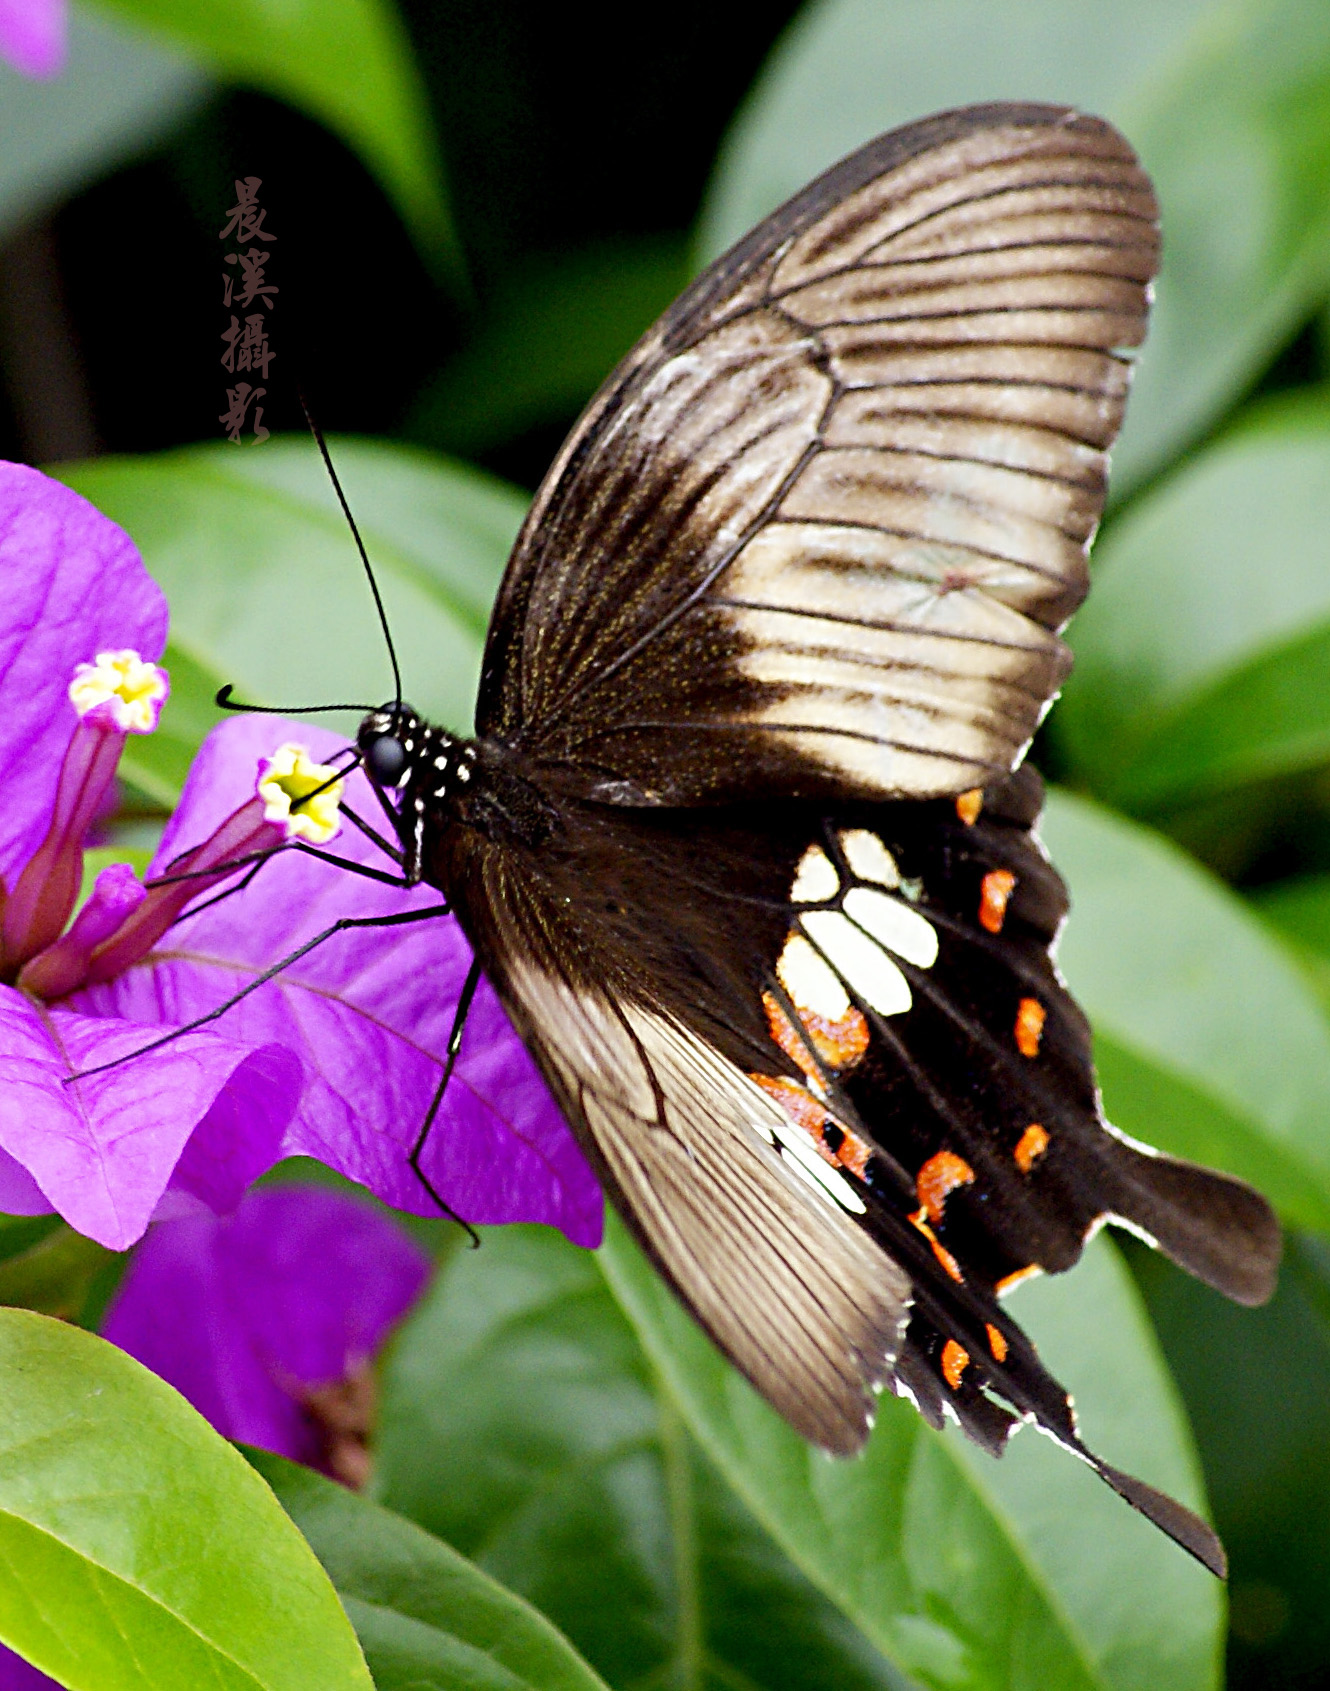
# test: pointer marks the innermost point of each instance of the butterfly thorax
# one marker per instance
(433, 779)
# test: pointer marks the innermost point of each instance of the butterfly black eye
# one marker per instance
(386, 760)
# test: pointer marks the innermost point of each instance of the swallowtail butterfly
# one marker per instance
(744, 840)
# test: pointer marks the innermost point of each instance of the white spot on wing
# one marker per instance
(860, 961)
(809, 982)
(869, 858)
(821, 1176)
(900, 929)
(815, 880)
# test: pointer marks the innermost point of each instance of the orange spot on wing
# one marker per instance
(1030, 1147)
(787, 1037)
(993, 895)
(968, 805)
(854, 1153)
(996, 1342)
(1009, 1282)
(938, 1178)
(797, 1102)
(1030, 1015)
(955, 1360)
(807, 1112)
(940, 1251)
(839, 1044)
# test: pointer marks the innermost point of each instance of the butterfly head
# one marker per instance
(391, 741)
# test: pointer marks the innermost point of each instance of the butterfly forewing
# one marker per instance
(818, 533)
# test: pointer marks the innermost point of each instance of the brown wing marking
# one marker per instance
(795, 1294)
(821, 529)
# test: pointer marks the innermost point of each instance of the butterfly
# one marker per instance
(744, 840)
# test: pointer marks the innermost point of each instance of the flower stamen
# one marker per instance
(131, 690)
(299, 795)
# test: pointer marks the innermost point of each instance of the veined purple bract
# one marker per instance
(198, 1118)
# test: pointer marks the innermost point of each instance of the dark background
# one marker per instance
(562, 134)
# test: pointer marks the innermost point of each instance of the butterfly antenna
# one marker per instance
(322, 445)
(223, 700)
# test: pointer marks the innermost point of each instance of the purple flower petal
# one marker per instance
(74, 586)
(33, 36)
(369, 1012)
(103, 1149)
(298, 1289)
(19, 1192)
(173, 1313)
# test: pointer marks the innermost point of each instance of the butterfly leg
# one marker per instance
(450, 1061)
(397, 920)
(259, 858)
(371, 834)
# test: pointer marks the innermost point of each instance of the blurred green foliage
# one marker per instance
(530, 188)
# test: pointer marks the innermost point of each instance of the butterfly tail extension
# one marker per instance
(1181, 1524)
(1216, 1227)
(960, 1358)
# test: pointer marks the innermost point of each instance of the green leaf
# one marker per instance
(552, 331)
(968, 1572)
(266, 590)
(522, 1423)
(347, 63)
(157, 763)
(425, 1616)
(141, 1551)
(1203, 654)
(847, 70)
(1257, 1383)
(1227, 101)
(1299, 911)
(117, 94)
(54, 1273)
(1210, 1042)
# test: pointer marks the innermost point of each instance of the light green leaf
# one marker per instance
(1227, 101)
(968, 1572)
(141, 1552)
(348, 63)
(553, 330)
(522, 1423)
(1203, 654)
(1210, 1043)
(266, 590)
(847, 70)
(427, 1619)
(117, 94)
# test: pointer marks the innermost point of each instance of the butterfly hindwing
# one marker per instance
(803, 1302)
(824, 1062)
(818, 532)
